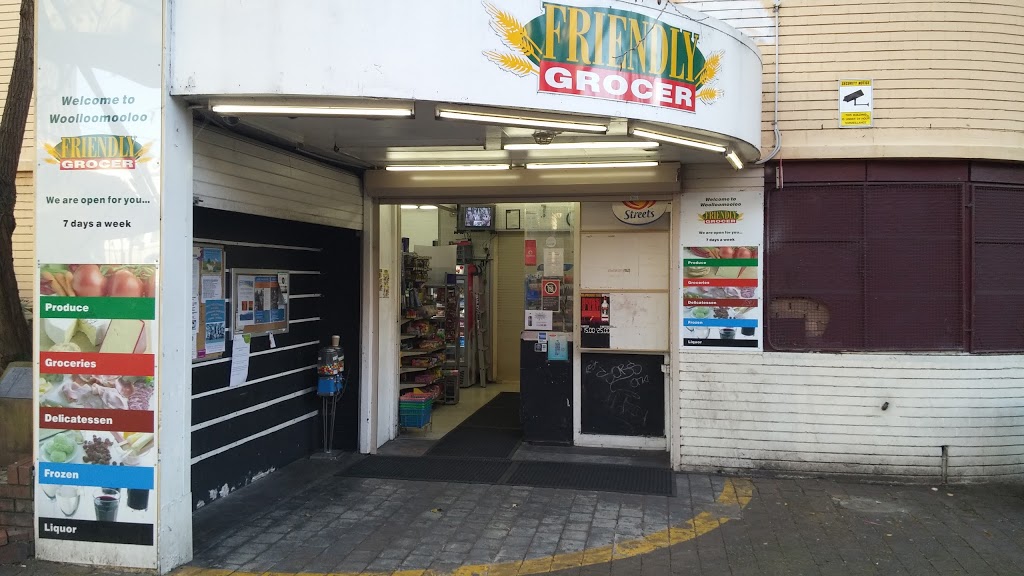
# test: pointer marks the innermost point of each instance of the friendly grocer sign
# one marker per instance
(607, 53)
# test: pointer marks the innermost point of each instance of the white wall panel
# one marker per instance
(237, 174)
(822, 413)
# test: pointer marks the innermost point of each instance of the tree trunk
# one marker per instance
(15, 338)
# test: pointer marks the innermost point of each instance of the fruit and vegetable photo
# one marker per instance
(92, 447)
(710, 263)
(92, 280)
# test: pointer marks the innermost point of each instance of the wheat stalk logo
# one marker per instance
(513, 34)
(708, 77)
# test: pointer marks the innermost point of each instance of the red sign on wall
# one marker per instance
(530, 253)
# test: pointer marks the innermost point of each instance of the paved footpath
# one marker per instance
(305, 519)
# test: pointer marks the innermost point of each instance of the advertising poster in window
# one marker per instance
(595, 311)
(721, 284)
(97, 228)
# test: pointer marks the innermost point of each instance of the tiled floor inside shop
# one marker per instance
(446, 417)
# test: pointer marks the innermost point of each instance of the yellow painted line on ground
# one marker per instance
(736, 492)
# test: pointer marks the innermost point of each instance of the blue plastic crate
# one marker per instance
(414, 419)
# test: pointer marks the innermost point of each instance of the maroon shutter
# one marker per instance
(998, 287)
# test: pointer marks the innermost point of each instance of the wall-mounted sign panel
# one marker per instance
(98, 132)
(856, 104)
(687, 70)
(624, 261)
(722, 238)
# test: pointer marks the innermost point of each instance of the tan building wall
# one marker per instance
(946, 74)
(24, 235)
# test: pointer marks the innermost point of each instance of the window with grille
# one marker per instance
(997, 311)
(866, 267)
(896, 267)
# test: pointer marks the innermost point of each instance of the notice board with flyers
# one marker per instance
(209, 307)
(260, 301)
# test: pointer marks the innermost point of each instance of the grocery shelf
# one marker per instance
(410, 385)
(408, 353)
(411, 369)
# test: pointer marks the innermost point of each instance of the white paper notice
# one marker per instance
(212, 289)
(273, 343)
(195, 326)
(239, 360)
(554, 262)
(245, 294)
(539, 319)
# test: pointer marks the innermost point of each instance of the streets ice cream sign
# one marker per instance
(607, 53)
(639, 213)
(97, 152)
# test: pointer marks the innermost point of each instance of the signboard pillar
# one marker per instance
(111, 353)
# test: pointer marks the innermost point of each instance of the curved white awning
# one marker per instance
(626, 65)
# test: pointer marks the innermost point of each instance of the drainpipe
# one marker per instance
(775, 120)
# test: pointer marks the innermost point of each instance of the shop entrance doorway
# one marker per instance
(508, 326)
(465, 276)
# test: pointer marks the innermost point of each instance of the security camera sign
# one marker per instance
(855, 104)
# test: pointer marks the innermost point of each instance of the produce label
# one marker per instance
(98, 129)
(722, 276)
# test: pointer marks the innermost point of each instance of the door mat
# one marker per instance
(470, 442)
(502, 411)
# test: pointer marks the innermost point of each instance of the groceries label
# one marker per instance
(581, 51)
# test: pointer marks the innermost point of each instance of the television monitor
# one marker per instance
(476, 217)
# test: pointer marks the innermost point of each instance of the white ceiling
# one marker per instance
(427, 140)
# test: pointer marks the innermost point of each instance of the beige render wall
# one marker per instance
(24, 234)
(946, 74)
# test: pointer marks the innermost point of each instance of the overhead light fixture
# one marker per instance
(448, 168)
(640, 133)
(576, 165)
(428, 207)
(289, 110)
(523, 121)
(584, 145)
(409, 206)
(734, 159)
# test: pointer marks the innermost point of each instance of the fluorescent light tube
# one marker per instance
(574, 165)
(677, 140)
(446, 168)
(428, 207)
(519, 121)
(409, 206)
(269, 109)
(583, 145)
(734, 160)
